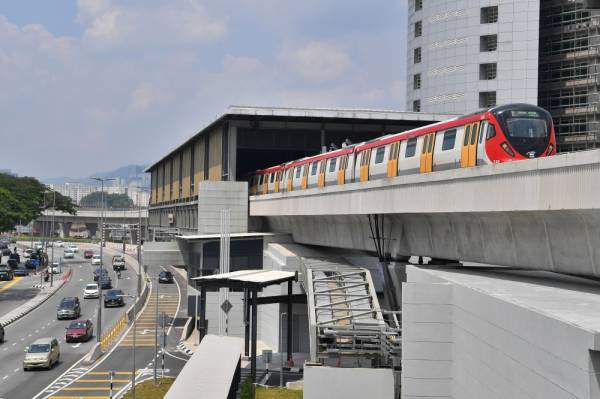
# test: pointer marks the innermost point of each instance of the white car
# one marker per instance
(27, 253)
(38, 245)
(59, 244)
(73, 248)
(55, 268)
(96, 260)
(68, 254)
(91, 291)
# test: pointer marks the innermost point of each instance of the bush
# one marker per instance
(247, 391)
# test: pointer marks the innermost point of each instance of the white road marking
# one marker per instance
(76, 345)
(14, 343)
(16, 370)
(5, 377)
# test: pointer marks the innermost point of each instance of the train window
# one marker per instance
(379, 154)
(260, 180)
(298, 171)
(474, 134)
(467, 133)
(482, 129)
(272, 177)
(425, 142)
(431, 142)
(449, 140)
(332, 163)
(411, 148)
(314, 168)
(491, 132)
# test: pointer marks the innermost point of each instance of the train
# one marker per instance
(499, 134)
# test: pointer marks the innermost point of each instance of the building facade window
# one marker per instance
(487, 99)
(417, 55)
(418, 28)
(417, 105)
(418, 5)
(192, 163)
(488, 71)
(488, 43)
(416, 81)
(489, 15)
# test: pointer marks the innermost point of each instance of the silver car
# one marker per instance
(44, 353)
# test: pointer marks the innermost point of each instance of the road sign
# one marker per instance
(226, 306)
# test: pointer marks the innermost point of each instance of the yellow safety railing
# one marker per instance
(114, 332)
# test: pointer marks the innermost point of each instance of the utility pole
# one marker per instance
(52, 237)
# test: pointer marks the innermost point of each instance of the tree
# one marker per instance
(117, 201)
(22, 200)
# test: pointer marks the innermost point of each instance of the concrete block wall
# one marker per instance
(214, 196)
(479, 336)
(161, 254)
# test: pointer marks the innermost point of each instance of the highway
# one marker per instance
(42, 322)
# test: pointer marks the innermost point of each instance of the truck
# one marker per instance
(118, 262)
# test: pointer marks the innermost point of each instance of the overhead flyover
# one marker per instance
(541, 214)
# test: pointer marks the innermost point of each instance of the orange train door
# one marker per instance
(427, 153)
(341, 175)
(289, 176)
(321, 179)
(277, 177)
(468, 153)
(304, 180)
(364, 165)
(392, 167)
(265, 186)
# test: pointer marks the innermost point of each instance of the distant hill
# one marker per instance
(124, 174)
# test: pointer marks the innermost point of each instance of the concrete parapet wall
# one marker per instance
(347, 383)
(499, 334)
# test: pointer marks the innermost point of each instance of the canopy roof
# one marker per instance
(252, 279)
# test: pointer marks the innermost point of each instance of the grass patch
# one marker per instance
(276, 393)
(147, 390)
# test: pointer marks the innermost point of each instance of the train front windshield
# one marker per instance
(527, 128)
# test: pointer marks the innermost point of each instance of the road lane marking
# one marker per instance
(10, 284)
(17, 369)
(76, 345)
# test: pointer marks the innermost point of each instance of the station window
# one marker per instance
(487, 99)
(379, 154)
(416, 81)
(489, 15)
(418, 28)
(417, 55)
(488, 43)
(418, 5)
(417, 106)
(488, 71)
(411, 148)
(314, 168)
(449, 139)
(332, 163)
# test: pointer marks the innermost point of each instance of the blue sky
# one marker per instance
(91, 85)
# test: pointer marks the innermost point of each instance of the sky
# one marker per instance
(91, 85)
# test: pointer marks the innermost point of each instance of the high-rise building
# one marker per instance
(466, 55)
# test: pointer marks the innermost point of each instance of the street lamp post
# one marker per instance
(100, 275)
(134, 334)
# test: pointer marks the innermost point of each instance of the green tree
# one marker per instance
(22, 199)
(117, 201)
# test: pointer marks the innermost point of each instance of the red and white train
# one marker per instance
(500, 134)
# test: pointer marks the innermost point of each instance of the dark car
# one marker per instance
(21, 271)
(165, 277)
(105, 282)
(6, 274)
(79, 330)
(1, 333)
(97, 273)
(69, 308)
(6, 251)
(114, 298)
(88, 253)
(32, 263)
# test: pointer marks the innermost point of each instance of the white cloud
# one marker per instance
(318, 62)
(145, 96)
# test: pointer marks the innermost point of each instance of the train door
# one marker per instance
(364, 165)
(304, 181)
(277, 177)
(426, 164)
(468, 153)
(341, 174)
(290, 176)
(265, 186)
(392, 167)
(321, 180)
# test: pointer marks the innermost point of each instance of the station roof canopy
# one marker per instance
(246, 279)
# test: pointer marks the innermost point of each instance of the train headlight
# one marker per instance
(507, 149)
(550, 149)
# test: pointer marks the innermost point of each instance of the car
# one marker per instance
(73, 248)
(79, 330)
(27, 253)
(96, 260)
(68, 254)
(54, 268)
(6, 251)
(12, 263)
(97, 273)
(49, 244)
(165, 277)
(31, 263)
(88, 253)
(21, 271)
(59, 244)
(118, 262)
(68, 308)
(6, 273)
(91, 291)
(1, 333)
(114, 298)
(43, 352)
(105, 282)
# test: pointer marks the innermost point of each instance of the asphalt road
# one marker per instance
(16, 292)
(94, 381)
(17, 384)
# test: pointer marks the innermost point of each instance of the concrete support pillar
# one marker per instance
(254, 333)
(289, 323)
